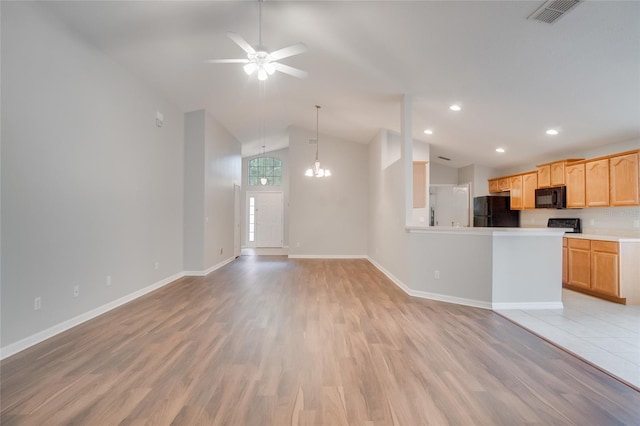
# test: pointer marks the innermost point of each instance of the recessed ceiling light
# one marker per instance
(455, 107)
(428, 132)
(500, 150)
(552, 132)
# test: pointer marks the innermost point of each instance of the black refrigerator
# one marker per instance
(494, 211)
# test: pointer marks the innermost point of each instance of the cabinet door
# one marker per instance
(504, 184)
(574, 176)
(604, 272)
(493, 186)
(565, 270)
(623, 171)
(597, 183)
(516, 192)
(557, 173)
(544, 176)
(579, 262)
(529, 185)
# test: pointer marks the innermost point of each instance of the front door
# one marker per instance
(267, 219)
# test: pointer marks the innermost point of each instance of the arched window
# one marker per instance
(265, 171)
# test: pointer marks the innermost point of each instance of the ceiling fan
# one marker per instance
(260, 59)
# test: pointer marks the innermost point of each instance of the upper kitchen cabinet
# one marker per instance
(597, 182)
(516, 192)
(494, 186)
(544, 175)
(553, 174)
(529, 185)
(624, 179)
(574, 176)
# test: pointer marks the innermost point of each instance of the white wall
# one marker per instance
(327, 216)
(223, 169)
(282, 155)
(388, 242)
(90, 186)
(441, 174)
(212, 166)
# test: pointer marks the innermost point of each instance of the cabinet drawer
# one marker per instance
(604, 246)
(579, 243)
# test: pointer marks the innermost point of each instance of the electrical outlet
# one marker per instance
(76, 290)
(436, 274)
(37, 303)
(157, 265)
(298, 244)
(108, 280)
(636, 223)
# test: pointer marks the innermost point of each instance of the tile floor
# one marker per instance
(603, 333)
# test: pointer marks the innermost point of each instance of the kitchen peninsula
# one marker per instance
(491, 268)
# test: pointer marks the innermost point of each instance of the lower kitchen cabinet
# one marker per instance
(605, 269)
(565, 271)
(579, 262)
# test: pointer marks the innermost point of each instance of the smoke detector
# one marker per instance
(553, 10)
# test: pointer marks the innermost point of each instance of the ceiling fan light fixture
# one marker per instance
(250, 68)
(262, 74)
(269, 68)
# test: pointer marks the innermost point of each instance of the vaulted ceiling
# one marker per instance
(513, 77)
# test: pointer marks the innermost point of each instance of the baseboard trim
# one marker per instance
(431, 296)
(41, 336)
(528, 305)
(389, 275)
(209, 270)
(328, 256)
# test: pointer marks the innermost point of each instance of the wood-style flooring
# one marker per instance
(273, 341)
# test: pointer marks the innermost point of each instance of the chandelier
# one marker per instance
(316, 170)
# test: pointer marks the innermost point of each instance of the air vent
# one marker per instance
(553, 10)
(444, 158)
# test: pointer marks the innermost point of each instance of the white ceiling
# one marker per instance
(513, 77)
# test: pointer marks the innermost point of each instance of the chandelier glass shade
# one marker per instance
(316, 170)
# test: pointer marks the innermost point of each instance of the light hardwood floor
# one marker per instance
(271, 341)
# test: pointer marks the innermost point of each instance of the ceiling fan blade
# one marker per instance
(226, 61)
(285, 52)
(290, 70)
(237, 38)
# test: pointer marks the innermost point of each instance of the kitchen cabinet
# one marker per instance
(625, 180)
(494, 186)
(604, 267)
(575, 179)
(516, 192)
(544, 176)
(553, 174)
(419, 184)
(504, 184)
(565, 271)
(557, 173)
(529, 185)
(579, 263)
(597, 183)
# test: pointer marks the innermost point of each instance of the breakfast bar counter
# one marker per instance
(492, 268)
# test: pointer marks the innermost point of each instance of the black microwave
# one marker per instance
(551, 198)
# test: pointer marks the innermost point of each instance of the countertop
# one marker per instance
(463, 230)
(619, 239)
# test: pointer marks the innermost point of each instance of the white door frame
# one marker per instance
(246, 216)
(237, 219)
